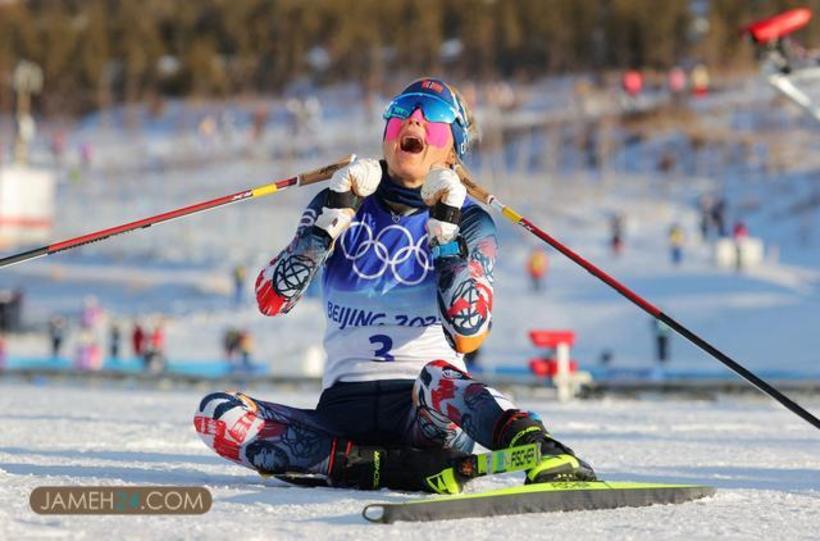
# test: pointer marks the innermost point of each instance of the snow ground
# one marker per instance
(764, 461)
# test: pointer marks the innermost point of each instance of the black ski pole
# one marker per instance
(481, 194)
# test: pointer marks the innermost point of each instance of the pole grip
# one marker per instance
(324, 173)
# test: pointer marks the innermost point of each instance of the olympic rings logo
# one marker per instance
(398, 262)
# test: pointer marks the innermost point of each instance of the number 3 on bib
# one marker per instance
(383, 345)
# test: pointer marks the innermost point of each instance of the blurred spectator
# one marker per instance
(661, 332)
(58, 145)
(666, 162)
(591, 147)
(155, 359)
(705, 208)
(260, 120)
(86, 155)
(56, 334)
(537, 265)
(700, 80)
(239, 274)
(138, 340)
(207, 129)
(114, 337)
(632, 83)
(158, 339)
(92, 317)
(87, 354)
(245, 347)
(676, 82)
(230, 344)
(17, 297)
(739, 233)
(616, 230)
(719, 216)
(11, 309)
(677, 238)
(605, 359)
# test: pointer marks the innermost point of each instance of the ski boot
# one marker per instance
(400, 468)
(558, 462)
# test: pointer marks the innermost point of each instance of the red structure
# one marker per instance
(557, 345)
(780, 25)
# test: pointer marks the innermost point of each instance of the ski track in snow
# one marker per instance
(764, 461)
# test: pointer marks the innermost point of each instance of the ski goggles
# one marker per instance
(437, 134)
(434, 109)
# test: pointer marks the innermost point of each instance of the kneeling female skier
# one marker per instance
(408, 261)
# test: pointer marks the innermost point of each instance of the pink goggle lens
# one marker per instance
(437, 134)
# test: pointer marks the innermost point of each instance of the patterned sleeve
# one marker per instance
(282, 282)
(465, 284)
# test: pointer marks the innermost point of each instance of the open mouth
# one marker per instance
(412, 144)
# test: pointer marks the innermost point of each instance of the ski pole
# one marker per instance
(482, 195)
(317, 175)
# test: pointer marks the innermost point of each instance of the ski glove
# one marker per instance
(443, 191)
(360, 178)
(348, 186)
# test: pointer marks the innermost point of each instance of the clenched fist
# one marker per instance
(348, 186)
(443, 191)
